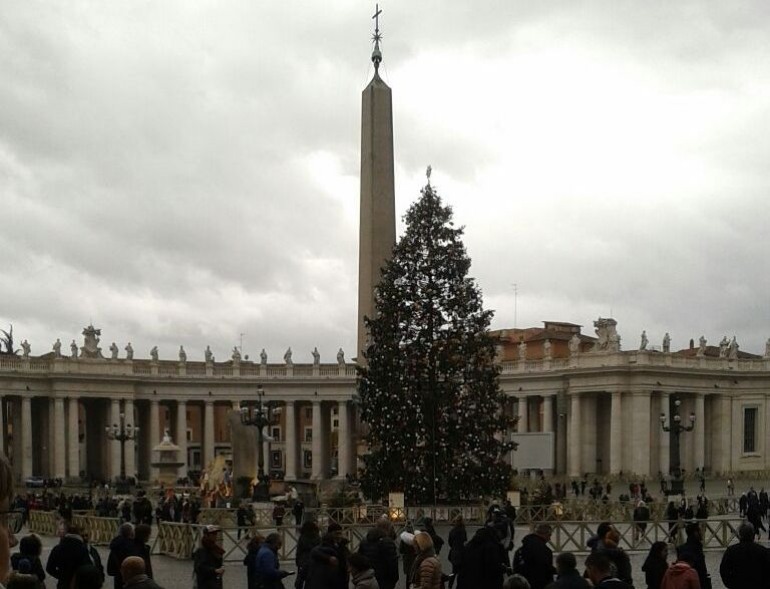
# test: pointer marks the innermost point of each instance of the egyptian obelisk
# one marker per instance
(377, 232)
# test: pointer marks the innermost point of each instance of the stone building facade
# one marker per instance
(603, 407)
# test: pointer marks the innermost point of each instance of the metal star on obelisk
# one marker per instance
(376, 54)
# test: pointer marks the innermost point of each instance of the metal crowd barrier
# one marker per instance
(179, 540)
(44, 523)
(101, 530)
(573, 536)
(570, 509)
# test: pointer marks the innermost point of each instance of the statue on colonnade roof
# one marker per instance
(90, 347)
(608, 338)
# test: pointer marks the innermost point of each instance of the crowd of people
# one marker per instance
(488, 558)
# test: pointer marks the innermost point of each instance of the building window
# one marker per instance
(308, 434)
(276, 460)
(335, 423)
(749, 430)
(189, 435)
(275, 433)
(308, 413)
(307, 459)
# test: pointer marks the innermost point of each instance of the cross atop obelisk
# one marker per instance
(376, 53)
(377, 232)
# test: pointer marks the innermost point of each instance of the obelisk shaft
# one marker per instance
(377, 232)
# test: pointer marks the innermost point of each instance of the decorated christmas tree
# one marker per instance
(429, 391)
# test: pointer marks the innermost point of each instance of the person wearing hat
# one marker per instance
(208, 560)
(426, 570)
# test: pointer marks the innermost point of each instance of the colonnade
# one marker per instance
(625, 427)
(619, 432)
(64, 436)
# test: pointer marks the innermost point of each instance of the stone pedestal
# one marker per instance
(244, 444)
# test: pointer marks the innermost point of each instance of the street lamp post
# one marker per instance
(260, 415)
(676, 428)
(122, 432)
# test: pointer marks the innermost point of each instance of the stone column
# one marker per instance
(291, 441)
(575, 448)
(699, 432)
(521, 408)
(3, 428)
(154, 436)
(616, 434)
(548, 403)
(114, 444)
(640, 444)
(266, 448)
(208, 433)
(130, 447)
(318, 465)
(73, 438)
(343, 441)
(665, 437)
(181, 435)
(26, 437)
(60, 445)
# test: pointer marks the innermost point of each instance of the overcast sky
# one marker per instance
(183, 172)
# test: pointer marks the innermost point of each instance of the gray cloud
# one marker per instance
(182, 174)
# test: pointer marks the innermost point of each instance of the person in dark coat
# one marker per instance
(96, 559)
(692, 552)
(484, 561)
(134, 575)
(567, 576)
(380, 551)
(438, 541)
(121, 547)
(458, 536)
(309, 538)
(537, 558)
(754, 515)
(250, 560)
(745, 565)
(141, 537)
(599, 569)
(208, 560)
(618, 557)
(297, 510)
(65, 558)
(88, 577)
(30, 549)
(267, 570)
(672, 516)
(329, 561)
(655, 565)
